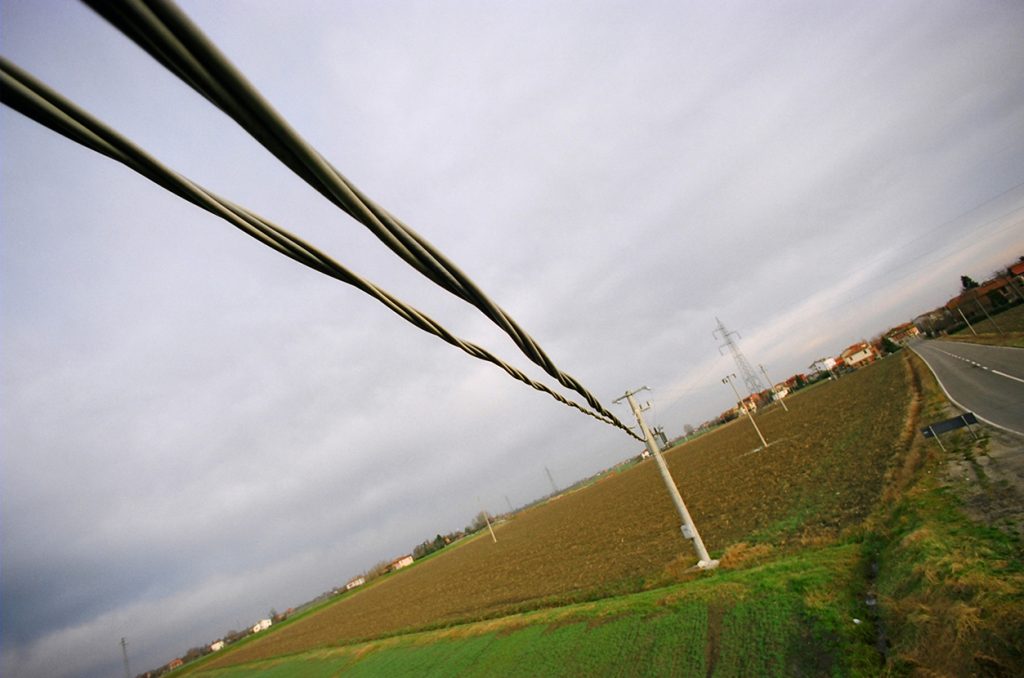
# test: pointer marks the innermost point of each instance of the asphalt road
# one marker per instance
(987, 380)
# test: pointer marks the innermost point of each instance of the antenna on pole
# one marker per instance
(124, 653)
(750, 378)
(689, 530)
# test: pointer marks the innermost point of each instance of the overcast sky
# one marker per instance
(196, 429)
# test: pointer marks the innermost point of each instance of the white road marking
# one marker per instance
(987, 369)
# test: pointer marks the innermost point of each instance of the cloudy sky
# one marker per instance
(196, 429)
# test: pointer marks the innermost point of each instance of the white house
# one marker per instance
(358, 581)
(404, 561)
(219, 645)
(261, 625)
(859, 354)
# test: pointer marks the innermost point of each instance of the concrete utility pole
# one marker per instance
(688, 529)
(775, 393)
(728, 380)
(487, 519)
(990, 318)
(124, 653)
(509, 503)
(966, 321)
(554, 488)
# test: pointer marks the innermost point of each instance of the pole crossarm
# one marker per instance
(166, 33)
(23, 93)
(688, 528)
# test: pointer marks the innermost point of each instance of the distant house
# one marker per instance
(174, 664)
(859, 355)
(750, 403)
(261, 625)
(398, 564)
(901, 334)
(979, 300)
(1016, 272)
(218, 645)
(358, 581)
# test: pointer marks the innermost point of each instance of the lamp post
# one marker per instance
(727, 379)
(775, 392)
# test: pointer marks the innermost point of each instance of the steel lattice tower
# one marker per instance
(750, 378)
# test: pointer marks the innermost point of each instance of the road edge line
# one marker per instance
(954, 401)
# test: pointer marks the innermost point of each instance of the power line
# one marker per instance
(167, 34)
(25, 94)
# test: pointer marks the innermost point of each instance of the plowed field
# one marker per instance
(822, 472)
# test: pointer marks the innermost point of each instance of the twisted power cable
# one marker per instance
(167, 34)
(25, 94)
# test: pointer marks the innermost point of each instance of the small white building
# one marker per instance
(261, 625)
(219, 645)
(404, 561)
(358, 581)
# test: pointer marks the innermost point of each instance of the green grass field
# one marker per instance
(792, 616)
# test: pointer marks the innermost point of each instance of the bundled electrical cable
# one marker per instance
(25, 94)
(164, 31)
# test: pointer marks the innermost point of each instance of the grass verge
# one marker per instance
(799, 615)
(950, 588)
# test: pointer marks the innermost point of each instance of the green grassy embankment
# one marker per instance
(950, 579)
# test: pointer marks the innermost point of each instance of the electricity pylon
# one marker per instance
(750, 378)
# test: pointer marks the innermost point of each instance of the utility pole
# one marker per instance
(124, 653)
(728, 380)
(508, 502)
(990, 318)
(554, 488)
(487, 519)
(775, 393)
(688, 529)
(750, 378)
(969, 325)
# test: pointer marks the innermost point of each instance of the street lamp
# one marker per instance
(775, 393)
(727, 379)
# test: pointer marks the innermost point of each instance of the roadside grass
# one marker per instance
(1004, 329)
(950, 588)
(793, 616)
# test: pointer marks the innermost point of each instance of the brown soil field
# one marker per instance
(822, 472)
